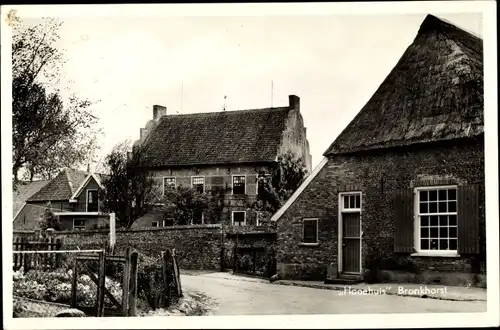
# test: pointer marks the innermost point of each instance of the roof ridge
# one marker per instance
(231, 112)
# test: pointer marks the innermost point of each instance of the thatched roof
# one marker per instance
(227, 137)
(435, 92)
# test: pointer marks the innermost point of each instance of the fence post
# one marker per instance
(16, 248)
(101, 284)
(166, 282)
(176, 274)
(26, 260)
(126, 282)
(133, 284)
(74, 283)
(58, 255)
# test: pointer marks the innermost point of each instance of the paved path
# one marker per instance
(247, 296)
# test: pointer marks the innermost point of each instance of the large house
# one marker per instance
(72, 195)
(400, 192)
(224, 149)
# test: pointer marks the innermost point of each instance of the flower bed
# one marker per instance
(55, 286)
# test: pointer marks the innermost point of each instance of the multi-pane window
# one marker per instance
(310, 233)
(239, 184)
(78, 224)
(92, 203)
(169, 182)
(437, 214)
(198, 184)
(351, 202)
(239, 218)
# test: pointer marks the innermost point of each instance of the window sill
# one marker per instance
(309, 244)
(442, 254)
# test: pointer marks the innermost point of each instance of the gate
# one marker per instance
(253, 254)
(117, 306)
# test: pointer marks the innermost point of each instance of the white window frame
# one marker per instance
(342, 209)
(79, 227)
(157, 224)
(244, 218)
(303, 233)
(87, 200)
(163, 182)
(232, 183)
(350, 209)
(416, 227)
(199, 176)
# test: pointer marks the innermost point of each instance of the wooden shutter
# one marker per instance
(468, 219)
(403, 220)
(251, 182)
(216, 183)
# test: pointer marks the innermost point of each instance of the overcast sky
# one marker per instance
(333, 63)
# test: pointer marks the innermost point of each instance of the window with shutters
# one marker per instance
(310, 231)
(239, 185)
(198, 183)
(239, 218)
(436, 229)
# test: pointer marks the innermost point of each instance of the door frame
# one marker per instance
(340, 222)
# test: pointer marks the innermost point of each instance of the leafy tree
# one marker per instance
(276, 187)
(186, 205)
(128, 188)
(49, 220)
(49, 131)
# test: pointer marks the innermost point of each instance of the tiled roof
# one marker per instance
(226, 137)
(62, 187)
(24, 190)
(435, 92)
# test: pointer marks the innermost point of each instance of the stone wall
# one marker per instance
(378, 175)
(197, 246)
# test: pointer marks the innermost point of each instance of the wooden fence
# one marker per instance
(34, 260)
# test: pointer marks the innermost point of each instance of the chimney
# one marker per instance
(158, 112)
(294, 102)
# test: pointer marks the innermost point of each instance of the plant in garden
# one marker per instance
(49, 219)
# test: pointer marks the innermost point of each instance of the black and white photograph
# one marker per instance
(265, 165)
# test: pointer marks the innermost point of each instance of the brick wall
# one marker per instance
(378, 175)
(197, 247)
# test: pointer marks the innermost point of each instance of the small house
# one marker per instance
(399, 195)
